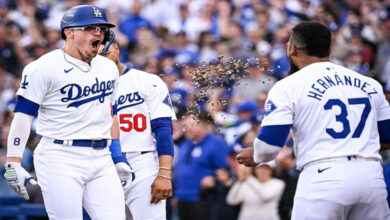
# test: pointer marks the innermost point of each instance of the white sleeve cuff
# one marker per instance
(263, 152)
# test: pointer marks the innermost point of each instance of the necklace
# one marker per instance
(85, 71)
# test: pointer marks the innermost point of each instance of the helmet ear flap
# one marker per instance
(106, 37)
(107, 42)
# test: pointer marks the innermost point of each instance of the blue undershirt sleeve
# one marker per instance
(384, 131)
(162, 129)
(26, 106)
(274, 134)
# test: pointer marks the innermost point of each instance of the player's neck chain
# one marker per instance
(85, 71)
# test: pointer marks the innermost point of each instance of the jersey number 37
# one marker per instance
(342, 117)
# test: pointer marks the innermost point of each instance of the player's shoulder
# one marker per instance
(104, 61)
(43, 63)
(142, 74)
(143, 77)
(360, 76)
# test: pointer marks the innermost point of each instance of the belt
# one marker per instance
(130, 155)
(337, 159)
(84, 143)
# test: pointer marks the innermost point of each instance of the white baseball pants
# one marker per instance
(138, 196)
(341, 189)
(71, 177)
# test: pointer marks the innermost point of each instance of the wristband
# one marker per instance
(167, 177)
(165, 168)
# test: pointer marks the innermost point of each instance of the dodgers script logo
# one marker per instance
(128, 100)
(98, 90)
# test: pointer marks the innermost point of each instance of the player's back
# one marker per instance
(335, 112)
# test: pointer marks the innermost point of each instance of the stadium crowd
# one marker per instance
(172, 38)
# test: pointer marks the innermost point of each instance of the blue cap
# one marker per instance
(257, 117)
(247, 106)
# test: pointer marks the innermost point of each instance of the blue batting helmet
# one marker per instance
(83, 15)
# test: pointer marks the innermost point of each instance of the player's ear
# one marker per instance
(68, 33)
(293, 50)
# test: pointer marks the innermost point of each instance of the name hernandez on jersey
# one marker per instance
(70, 93)
(340, 119)
(322, 84)
(141, 98)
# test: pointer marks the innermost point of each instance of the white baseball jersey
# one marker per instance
(141, 98)
(74, 97)
(333, 112)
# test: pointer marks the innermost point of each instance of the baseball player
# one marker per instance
(338, 119)
(71, 90)
(145, 113)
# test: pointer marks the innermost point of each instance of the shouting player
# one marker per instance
(338, 119)
(145, 113)
(71, 91)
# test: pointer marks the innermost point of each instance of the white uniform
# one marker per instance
(334, 113)
(141, 98)
(75, 103)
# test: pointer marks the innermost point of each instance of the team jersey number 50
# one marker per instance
(342, 117)
(129, 122)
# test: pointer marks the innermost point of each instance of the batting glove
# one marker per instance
(18, 178)
(125, 173)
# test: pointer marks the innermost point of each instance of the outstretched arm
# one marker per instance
(162, 186)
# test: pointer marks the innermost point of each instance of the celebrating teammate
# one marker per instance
(71, 91)
(338, 119)
(145, 114)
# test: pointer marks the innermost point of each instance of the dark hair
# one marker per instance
(200, 116)
(311, 37)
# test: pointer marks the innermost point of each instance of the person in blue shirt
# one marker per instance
(133, 22)
(200, 155)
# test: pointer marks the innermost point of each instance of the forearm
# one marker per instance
(165, 165)
(115, 134)
(264, 152)
(18, 136)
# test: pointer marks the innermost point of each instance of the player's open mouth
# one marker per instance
(95, 44)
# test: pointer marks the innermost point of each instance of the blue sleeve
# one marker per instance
(162, 129)
(384, 131)
(26, 106)
(274, 134)
(116, 152)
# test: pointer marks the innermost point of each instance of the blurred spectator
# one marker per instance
(256, 82)
(259, 196)
(10, 53)
(200, 155)
(146, 47)
(217, 187)
(133, 22)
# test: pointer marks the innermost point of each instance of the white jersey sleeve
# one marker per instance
(35, 83)
(383, 104)
(158, 99)
(278, 106)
